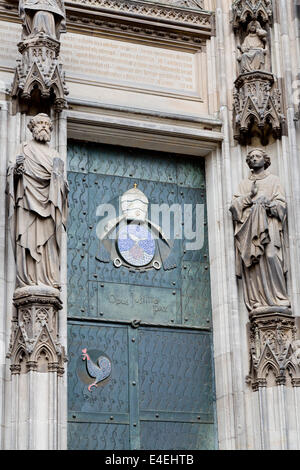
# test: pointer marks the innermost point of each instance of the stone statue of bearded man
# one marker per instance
(259, 213)
(37, 193)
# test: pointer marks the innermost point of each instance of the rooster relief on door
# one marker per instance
(98, 372)
(133, 241)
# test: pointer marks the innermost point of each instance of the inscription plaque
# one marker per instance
(133, 65)
(128, 302)
(117, 64)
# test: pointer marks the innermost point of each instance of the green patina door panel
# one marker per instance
(151, 330)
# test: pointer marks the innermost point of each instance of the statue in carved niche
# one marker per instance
(42, 16)
(259, 213)
(37, 207)
(253, 48)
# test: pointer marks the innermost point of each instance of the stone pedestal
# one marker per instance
(257, 107)
(39, 80)
(37, 367)
(274, 351)
(34, 341)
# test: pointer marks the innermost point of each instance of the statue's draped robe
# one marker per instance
(43, 16)
(37, 214)
(260, 243)
(253, 57)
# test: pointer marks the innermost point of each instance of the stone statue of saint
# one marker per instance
(253, 48)
(38, 205)
(42, 16)
(259, 213)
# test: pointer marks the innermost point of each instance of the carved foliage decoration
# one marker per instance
(185, 3)
(34, 343)
(274, 351)
(171, 22)
(39, 80)
(143, 6)
(257, 98)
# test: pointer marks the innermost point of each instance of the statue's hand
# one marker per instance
(19, 168)
(20, 160)
(271, 209)
(263, 200)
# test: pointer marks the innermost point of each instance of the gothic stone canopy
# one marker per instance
(245, 10)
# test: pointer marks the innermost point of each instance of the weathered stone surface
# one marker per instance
(274, 351)
(242, 10)
(257, 99)
(37, 207)
(257, 108)
(39, 80)
(259, 213)
(253, 49)
(34, 343)
(37, 194)
(41, 16)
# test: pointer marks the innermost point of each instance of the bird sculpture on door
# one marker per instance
(98, 372)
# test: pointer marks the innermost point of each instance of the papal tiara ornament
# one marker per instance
(139, 244)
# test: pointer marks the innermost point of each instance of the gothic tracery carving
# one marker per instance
(257, 99)
(185, 3)
(242, 10)
(34, 335)
(39, 80)
(274, 351)
(257, 108)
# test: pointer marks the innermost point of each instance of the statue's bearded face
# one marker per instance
(42, 130)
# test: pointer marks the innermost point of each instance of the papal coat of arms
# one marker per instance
(138, 244)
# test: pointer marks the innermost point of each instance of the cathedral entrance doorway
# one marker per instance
(140, 371)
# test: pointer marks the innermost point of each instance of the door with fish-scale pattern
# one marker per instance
(140, 372)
